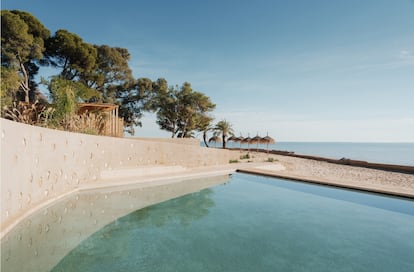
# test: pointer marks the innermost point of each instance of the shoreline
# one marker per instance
(407, 169)
(337, 185)
(331, 174)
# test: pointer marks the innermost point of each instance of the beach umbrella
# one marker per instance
(215, 139)
(256, 140)
(240, 141)
(268, 140)
(247, 141)
(235, 139)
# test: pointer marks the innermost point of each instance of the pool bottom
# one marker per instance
(255, 223)
(40, 241)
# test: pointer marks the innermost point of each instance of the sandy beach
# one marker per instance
(328, 173)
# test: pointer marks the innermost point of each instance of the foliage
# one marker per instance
(113, 79)
(233, 161)
(204, 127)
(224, 129)
(65, 96)
(131, 102)
(167, 111)
(270, 159)
(88, 123)
(92, 73)
(247, 156)
(67, 51)
(22, 37)
(10, 82)
(22, 46)
(181, 111)
(15, 40)
(31, 114)
(111, 68)
(102, 68)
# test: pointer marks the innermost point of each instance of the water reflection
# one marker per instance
(39, 242)
(123, 239)
(183, 210)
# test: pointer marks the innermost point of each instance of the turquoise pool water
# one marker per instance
(254, 223)
(40, 241)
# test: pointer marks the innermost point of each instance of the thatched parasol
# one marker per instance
(268, 140)
(235, 139)
(256, 140)
(247, 141)
(215, 139)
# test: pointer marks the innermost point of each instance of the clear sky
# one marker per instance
(300, 70)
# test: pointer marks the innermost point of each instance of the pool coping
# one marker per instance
(321, 181)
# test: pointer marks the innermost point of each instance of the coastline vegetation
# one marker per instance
(87, 73)
(270, 159)
(246, 156)
(223, 128)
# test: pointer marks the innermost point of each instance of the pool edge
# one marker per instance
(342, 185)
(144, 181)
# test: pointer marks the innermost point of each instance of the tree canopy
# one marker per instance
(68, 52)
(181, 111)
(22, 46)
(223, 128)
(92, 73)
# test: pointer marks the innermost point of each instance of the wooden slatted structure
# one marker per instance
(114, 125)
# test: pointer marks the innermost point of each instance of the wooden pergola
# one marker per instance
(114, 123)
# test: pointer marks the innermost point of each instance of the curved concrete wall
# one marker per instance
(39, 164)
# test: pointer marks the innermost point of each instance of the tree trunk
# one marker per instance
(174, 131)
(184, 130)
(224, 141)
(205, 138)
(25, 83)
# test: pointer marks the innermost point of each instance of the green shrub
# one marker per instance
(270, 160)
(247, 156)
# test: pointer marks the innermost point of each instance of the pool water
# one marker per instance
(43, 239)
(254, 223)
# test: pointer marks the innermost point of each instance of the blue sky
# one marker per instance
(299, 70)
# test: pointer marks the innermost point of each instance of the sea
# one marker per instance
(388, 153)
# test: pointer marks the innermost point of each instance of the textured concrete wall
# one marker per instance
(187, 141)
(38, 164)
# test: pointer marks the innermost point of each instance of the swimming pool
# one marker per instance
(251, 223)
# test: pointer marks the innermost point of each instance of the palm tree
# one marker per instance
(224, 129)
(207, 129)
(204, 126)
(215, 140)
